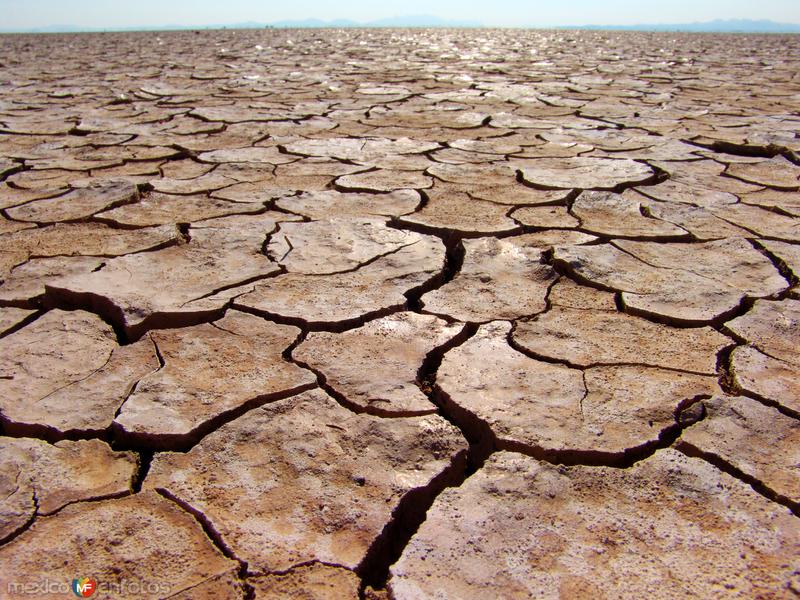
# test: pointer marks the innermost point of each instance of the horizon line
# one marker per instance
(744, 26)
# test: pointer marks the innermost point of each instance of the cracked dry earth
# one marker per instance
(400, 314)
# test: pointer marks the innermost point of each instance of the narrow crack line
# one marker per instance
(782, 408)
(585, 395)
(84, 378)
(212, 533)
(114, 224)
(690, 237)
(184, 442)
(745, 301)
(113, 315)
(11, 271)
(622, 459)
(613, 124)
(445, 233)
(56, 194)
(215, 325)
(729, 468)
(246, 588)
(727, 382)
(646, 212)
(780, 265)
(740, 341)
(176, 241)
(161, 361)
(565, 269)
(299, 565)
(366, 263)
(647, 194)
(289, 250)
(655, 266)
(716, 322)
(514, 207)
(16, 487)
(682, 238)
(769, 186)
(91, 499)
(330, 326)
(132, 389)
(345, 402)
(26, 525)
(272, 205)
(657, 177)
(778, 210)
(747, 228)
(562, 361)
(445, 317)
(231, 286)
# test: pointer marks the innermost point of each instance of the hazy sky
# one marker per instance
(126, 13)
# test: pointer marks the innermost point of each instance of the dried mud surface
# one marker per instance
(400, 314)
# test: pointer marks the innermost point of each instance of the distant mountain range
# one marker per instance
(717, 26)
(407, 21)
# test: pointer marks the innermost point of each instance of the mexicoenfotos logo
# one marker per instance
(84, 587)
